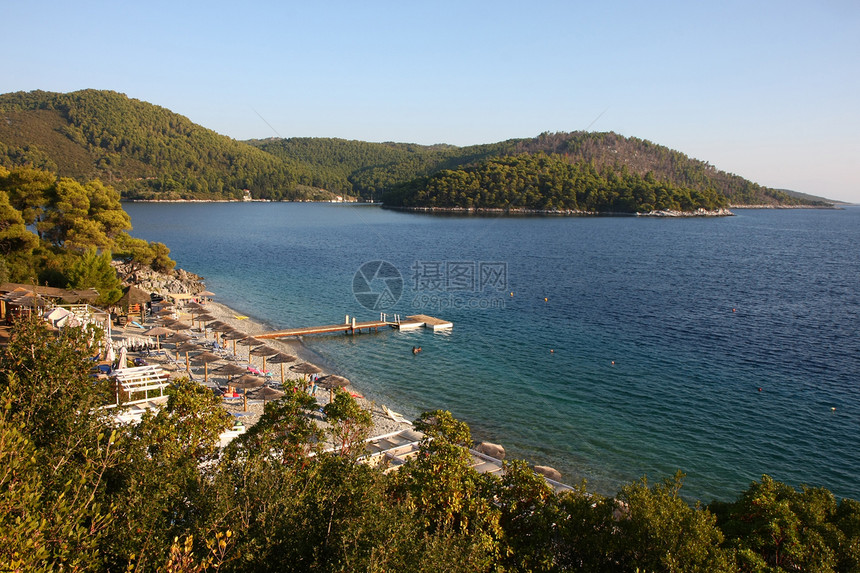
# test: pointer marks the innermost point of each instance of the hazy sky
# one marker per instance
(767, 90)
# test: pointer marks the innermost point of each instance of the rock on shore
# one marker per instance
(178, 281)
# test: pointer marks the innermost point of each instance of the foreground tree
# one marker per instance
(350, 423)
(94, 270)
(55, 447)
(775, 527)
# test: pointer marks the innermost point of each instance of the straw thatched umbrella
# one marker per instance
(206, 358)
(205, 293)
(178, 325)
(156, 332)
(187, 347)
(305, 369)
(219, 326)
(201, 318)
(177, 337)
(282, 358)
(267, 393)
(230, 370)
(250, 342)
(248, 381)
(234, 336)
(263, 351)
(331, 382)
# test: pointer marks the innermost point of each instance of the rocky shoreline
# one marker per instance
(178, 281)
(478, 211)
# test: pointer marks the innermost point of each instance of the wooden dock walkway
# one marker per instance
(353, 327)
(349, 328)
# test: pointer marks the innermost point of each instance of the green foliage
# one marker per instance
(52, 458)
(350, 423)
(549, 183)
(148, 152)
(27, 189)
(93, 270)
(144, 150)
(447, 495)
(79, 493)
(82, 216)
(661, 532)
(441, 424)
(285, 431)
(774, 527)
(161, 260)
(72, 218)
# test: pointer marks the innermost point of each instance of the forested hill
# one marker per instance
(541, 182)
(370, 169)
(390, 170)
(143, 150)
(146, 151)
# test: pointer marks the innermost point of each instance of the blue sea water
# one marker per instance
(608, 347)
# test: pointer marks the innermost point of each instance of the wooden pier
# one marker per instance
(353, 327)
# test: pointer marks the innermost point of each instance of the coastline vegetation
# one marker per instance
(542, 182)
(61, 233)
(78, 492)
(148, 152)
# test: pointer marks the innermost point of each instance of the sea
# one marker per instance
(610, 348)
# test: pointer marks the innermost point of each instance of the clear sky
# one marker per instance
(767, 90)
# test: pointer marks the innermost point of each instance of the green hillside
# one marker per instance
(369, 169)
(143, 150)
(390, 169)
(541, 182)
(146, 151)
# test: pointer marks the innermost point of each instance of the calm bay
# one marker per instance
(607, 347)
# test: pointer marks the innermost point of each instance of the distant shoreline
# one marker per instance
(484, 211)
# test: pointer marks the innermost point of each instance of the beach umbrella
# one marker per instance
(158, 331)
(282, 358)
(203, 317)
(247, 381)
(206, 358)
(177, 337)
(187, 347)
(267, 393)
(244, 383)
(331, 382)
(123, 357)
(230, 370)
(219, 326)
(250, 342)
(178, 325)
(205, 293)
(306, 369)
(235, 335)
(263, 351)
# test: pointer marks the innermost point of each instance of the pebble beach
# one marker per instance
(383, 423)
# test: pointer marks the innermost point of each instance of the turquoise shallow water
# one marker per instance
(646, 357)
